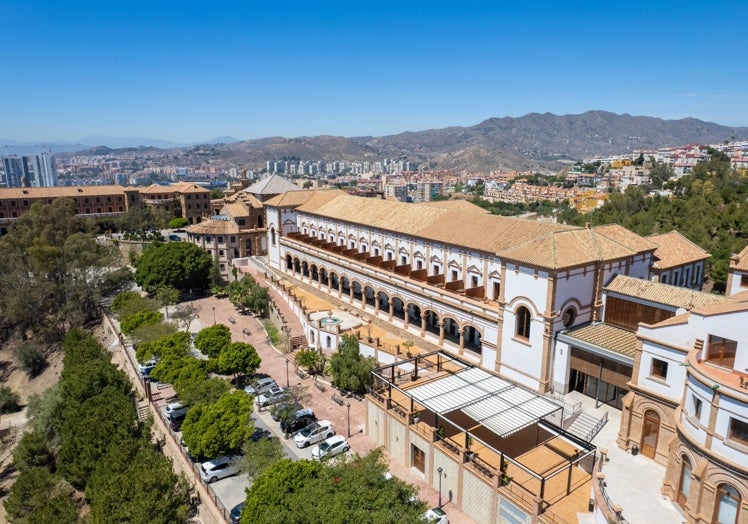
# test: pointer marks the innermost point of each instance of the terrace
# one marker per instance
(506, 435)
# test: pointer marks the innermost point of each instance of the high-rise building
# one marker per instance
(17, 171)
(45, 172)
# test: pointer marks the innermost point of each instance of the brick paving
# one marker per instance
(276, 364)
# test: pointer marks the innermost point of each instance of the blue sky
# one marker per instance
(188, 71)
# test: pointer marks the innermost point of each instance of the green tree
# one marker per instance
(350, 491)
(175, 344)
(216, 194)
(39, 496)
(181, 265)
(51, 268)
(351, 370)
(33, 452)
(135, 483)
(259, 455)
(141, 318)
(43, 410)
(238, 359)
(130, 302)
(310, 359)
(212, 340)
(213, 430)
(178, 222)
(167, 296)
(185, 314)
(138, 221)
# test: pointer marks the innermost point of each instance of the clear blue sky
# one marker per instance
(187, 71)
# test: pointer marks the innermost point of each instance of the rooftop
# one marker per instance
(675, 250)
(663, 294)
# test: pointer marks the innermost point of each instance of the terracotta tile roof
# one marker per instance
(213, 227)
(673, 249)
(740, 261)
(60, 191)
(188, 187)
(457, 205)
(608, 337)
(665, 294)
(541, 244)
(298, 198)
(234, 209)
(731, 304)
(674, 321)
(246, 199)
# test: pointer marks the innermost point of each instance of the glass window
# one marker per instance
(726, 506)
(659, 369)
(523, 322)
(738, 431)
(697, 403)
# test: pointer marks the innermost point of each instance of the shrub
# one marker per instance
(141, 318)
(9, 401)
(31, 358)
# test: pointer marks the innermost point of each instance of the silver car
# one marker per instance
(273, 396)
(313, 433)
(219, 468)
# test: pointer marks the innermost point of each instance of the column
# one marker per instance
(441, 331)
(462, 340)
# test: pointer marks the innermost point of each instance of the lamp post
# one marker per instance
(440, 470)
(214, 315)
(348, 405)
(288, 384)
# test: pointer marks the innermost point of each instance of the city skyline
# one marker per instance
(176, 72)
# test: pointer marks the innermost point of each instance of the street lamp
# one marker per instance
(214, 315)
(439, 470)
(348, 405)
(288, 384)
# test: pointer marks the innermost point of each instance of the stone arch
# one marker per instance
(305, 268)
(289, 263)
(384, 301)
(324, 277)
(296, 265)
(334, 281)
(415, 312)
(432, 320)
(472, 338)
(345, 285)
(523, 301)
(358, 291)
(314, 272)
(398, 307)
(451, 329)
(369, 295)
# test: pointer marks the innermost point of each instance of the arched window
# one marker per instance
(272, 236)
(523, 322)
(727, 505)
(568, 317)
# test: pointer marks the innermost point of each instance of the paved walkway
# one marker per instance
(633, 482)
(275, 364)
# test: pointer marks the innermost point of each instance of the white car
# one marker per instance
(313, 433)
(330, 447)
(259, 387)
(435, 516)
(218, 469)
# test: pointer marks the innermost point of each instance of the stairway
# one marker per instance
(586, 426)
(144, 411)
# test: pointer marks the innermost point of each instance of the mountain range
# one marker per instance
(533, 141)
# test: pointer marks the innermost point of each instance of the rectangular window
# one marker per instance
(721, 351)
(659, 369)
(419, 264)
(496, 290)
(436, 269)
(454, 275)
(418, 459)
(738, 431)
(697, 403)
(232, 239)
(403, 260)
(663, 278)
(744, 280)
(220, 240)
(473, 281)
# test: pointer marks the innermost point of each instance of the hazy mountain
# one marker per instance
(533, 141)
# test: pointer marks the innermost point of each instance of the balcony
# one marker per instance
(431, 286)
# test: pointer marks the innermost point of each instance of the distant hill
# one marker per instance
(533, 141)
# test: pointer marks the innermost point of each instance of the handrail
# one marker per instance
(600, 423)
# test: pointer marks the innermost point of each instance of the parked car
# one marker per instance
(435, 516)
(330, 447)
(273, 396)
(173, 407)
(146, 367)
(219, 468)
(258, 387)
(236, 513)
(313, 433)
(176, 419)
(287, 406)
(175, 238)
(297, 421)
